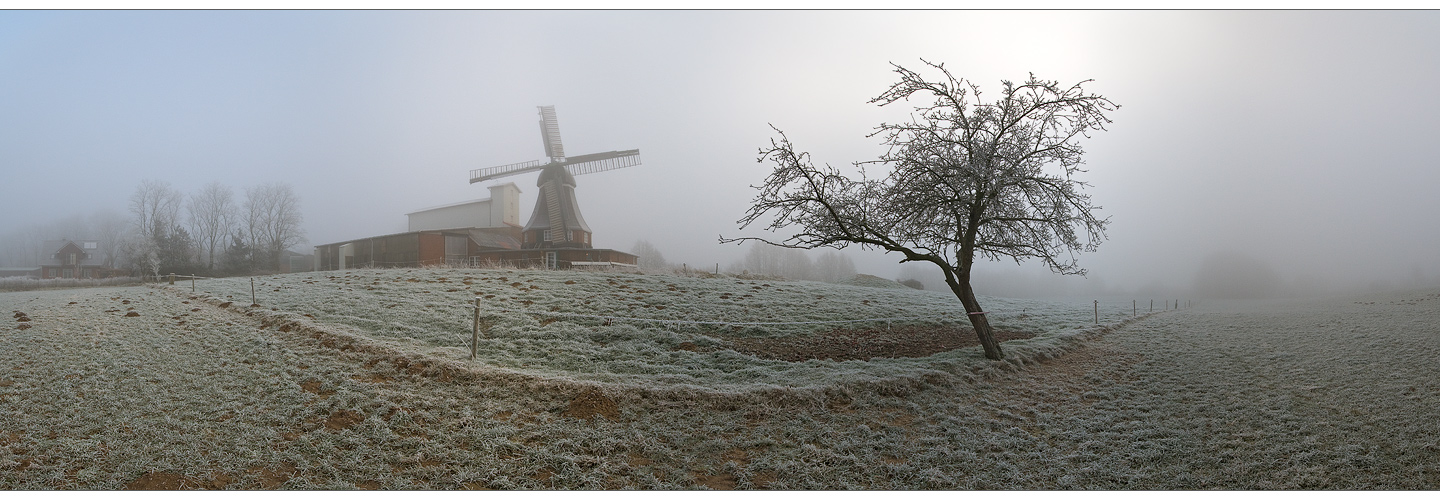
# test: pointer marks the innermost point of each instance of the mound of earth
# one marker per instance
(590, 403)
(843, 345)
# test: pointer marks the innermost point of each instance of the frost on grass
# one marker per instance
(564, 324)
(1324, 394)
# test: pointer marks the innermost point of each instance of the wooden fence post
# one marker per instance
(172, 279)
(252, 292)
(475, 332)
(1134, 309)
(1097, 312)
(192, 283)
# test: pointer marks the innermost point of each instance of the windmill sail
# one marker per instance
(577, 165)
(485, 174)
(550, 134)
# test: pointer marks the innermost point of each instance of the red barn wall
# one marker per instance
(432, 249)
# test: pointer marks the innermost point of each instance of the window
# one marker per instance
(69, 259)
(90, 245)
(53, 272)
(69, 273)
(87, 273)
(550, 261)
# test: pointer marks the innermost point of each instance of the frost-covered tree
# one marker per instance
(155, 213)
(650, 257)
(108, 228)
(142, 255)
(832, 267)
(73, 227)
(965, 177)
(772, 260)
(155, 207)
(25, 247)
(272, 223)
(211, 214)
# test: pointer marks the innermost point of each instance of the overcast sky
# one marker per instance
(1303, 139)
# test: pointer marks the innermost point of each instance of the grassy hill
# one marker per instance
(640, 330)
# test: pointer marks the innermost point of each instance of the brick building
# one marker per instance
(472, 233)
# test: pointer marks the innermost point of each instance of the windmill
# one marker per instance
(556, 221)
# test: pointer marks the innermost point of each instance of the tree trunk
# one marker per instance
(961, 287)
(979, 321)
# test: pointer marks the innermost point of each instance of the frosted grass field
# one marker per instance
(1316, 394)
(430, 311)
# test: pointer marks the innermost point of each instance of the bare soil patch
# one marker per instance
(906, 341)
(343, 419)
(590, 403)
(271, 477)
(722, 481)
(162, 481)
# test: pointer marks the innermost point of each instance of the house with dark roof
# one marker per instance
(82, 259)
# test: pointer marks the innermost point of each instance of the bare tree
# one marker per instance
(155, 207)
(212, 213)
(73, 227)
(109, 228)
(33, 250)
(650, 257)
(272, 221)
(965, 177)
(832, 267)
(22, 247)
(772, 260)
(155, 211)
(142, 255)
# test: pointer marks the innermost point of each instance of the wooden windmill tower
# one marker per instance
(556, 222)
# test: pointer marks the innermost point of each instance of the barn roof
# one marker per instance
(486, 237)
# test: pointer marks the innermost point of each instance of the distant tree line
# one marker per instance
(770, 260)
(765, 260)
(209, 232)
(217, 235)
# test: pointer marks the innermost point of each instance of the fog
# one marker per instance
(1269, 153)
